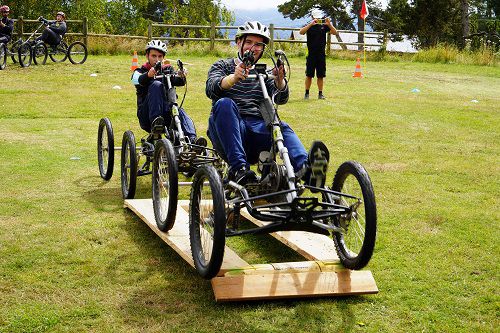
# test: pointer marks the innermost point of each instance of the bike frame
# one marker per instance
(295, 213)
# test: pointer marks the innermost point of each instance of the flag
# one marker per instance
(364, 10)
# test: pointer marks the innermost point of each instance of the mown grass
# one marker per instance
(72, 259)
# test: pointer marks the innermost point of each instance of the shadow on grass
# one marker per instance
(163, 290)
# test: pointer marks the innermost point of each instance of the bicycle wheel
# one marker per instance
(40, 53)
(60, 53)
(165, 185)
(13, 50)
(128, 165)
(105, 149)
(3, 55)
(207, 221)
(77, 53)
(24, 55)
(355, 245)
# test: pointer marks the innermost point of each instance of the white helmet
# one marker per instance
(253, 28)
(157, 44)
(317, 13)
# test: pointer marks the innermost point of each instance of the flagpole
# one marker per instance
(364, 42)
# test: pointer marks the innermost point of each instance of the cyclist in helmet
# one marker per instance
(6, 25)
(152, 104)
(236, 127)
(54, 31)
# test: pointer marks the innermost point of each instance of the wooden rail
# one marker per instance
(212, 35)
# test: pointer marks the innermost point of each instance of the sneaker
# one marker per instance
(321, 96)
(199, 145)
(306, 96)
(201, 141)
(158, 125)
(244, 176)
(319, 156)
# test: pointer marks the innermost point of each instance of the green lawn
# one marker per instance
(72, 259)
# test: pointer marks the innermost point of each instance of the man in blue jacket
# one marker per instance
(153, 108)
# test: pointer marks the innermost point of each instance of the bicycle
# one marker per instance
(348, 215)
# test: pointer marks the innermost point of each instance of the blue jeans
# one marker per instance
(241, 139)
(156, 105)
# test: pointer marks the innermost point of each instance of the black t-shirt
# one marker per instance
(9, 26)
(316, 38)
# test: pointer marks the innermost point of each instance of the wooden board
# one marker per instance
(293, 285)
(238, 280)
(178, 237)
(311, 246)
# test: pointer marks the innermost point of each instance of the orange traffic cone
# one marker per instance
(134, 62)
(357, 72)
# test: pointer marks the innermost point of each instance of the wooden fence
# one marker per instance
(212, 39)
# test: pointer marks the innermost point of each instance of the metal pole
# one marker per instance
(271, 32)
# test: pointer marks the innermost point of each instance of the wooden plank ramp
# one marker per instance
(323, 275)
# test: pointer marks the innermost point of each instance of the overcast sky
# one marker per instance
(261, 4)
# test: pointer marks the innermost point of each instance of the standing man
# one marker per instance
(6, 25)
(316, 31)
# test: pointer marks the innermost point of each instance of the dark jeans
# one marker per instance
(4, 39)
(156, 105)
(241, 139)
(50, 37)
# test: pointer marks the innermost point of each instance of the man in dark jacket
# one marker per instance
(236, 126)
(153, 106)
(55, 30)
(316, 31)
(6, 25)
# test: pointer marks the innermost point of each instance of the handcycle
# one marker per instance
(167, 152)
(37, 51)
(345, 211)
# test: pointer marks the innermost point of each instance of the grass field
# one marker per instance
(72, 259)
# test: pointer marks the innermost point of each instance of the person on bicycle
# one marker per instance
(316, 32)
(236, 127)
(54, 30)
(153, 107)
(6, 25)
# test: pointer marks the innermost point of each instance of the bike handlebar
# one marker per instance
(266, 76)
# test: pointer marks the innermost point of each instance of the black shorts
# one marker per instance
(316, 64)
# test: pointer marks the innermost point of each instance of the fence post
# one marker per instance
(386, 37)
(212, 35)
(85, 31)
(20, 27)
(271, 32)
(150, 30)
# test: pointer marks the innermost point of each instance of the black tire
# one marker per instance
(39, 53)
(3, 56)
(207, 221)
(77, 53)
(13, 50)
(24, 55)
(128, 165)
(355, 246)
(60, 54)
(105, 148)
(165, 185)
